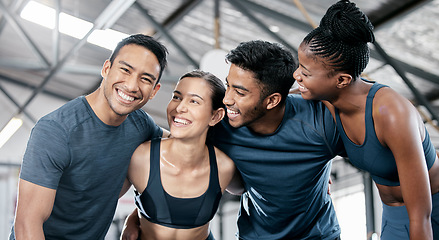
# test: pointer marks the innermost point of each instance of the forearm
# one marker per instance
(126, 186)
(131, 227)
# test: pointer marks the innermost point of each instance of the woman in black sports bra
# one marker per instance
(180, 180)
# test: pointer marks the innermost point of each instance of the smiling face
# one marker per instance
(315, 80)
(130, 82)
(243, 98)
(190, 112)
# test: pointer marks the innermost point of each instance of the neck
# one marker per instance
(189, 153)
(270, 122)
(352, 98)
(102, 109)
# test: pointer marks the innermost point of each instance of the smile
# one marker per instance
(232, 114)
(124, 96)
(302, 88)
(181, 121)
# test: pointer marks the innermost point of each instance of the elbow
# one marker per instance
(19, 230)
(235, 190)
(23, 229)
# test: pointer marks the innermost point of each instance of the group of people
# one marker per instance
(250, 137)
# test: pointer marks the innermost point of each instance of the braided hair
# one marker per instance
(341, 38)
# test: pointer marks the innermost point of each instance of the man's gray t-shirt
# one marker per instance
(86, 161)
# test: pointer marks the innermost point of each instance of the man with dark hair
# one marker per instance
(282, 146)
(77, 156)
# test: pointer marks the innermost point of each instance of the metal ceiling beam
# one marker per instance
(16, 103)
(26, 65)
(100, 22)
(276, 15)
(421, 99)
(56, 34)
(390, 9)
(55, 69)
(260, 24)
(165, 32)
(428, 76)
(14, 6)
(22, 33)
(32, 87)
(178, 14)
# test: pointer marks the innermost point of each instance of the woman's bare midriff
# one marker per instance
(152, 231)
(392, 195)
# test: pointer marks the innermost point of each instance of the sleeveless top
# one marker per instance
(373, 157)
(157, 206)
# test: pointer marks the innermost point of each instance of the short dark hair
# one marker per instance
(272, 64)
(217, 87)
(147, 42)
(341, 38)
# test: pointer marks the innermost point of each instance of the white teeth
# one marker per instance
(182, 121)
(301, 87)
(232, 111)
(125, 97)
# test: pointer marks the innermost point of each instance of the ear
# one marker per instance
(343, 80)
(217, 116)
(155, 90)
(272, 100)
(105, 68)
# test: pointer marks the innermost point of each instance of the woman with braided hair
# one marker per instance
(381, 130)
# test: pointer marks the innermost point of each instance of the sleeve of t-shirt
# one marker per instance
(46, 155)
(153, 130)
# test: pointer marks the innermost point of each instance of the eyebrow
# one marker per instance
(190, 94)
(145, 73)
(304, 67)
(238, 86)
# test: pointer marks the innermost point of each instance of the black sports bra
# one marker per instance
(156, 205)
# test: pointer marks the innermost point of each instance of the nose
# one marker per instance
(181, 107)
(296, 75)
(228, 100)
(131, 83)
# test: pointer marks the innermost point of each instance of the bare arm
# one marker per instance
(399, 126)
(34, 206)
(138, 174)
(126, 186)
(131, 228)
(236, 186)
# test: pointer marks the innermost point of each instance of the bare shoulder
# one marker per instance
(394, 114)
(225, 163)
(138, 170)
(226, 168)
(389, 106)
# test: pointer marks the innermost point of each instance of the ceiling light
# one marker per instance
(75, 27)
(274, 29)
(107, 38)
(39, 14)
(13, 125)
